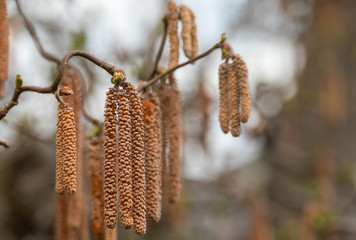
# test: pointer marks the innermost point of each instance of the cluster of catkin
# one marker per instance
(235, 96)
(124, 164)
(188, 33)
(4, 46)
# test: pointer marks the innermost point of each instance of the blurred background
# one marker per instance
(289, 176)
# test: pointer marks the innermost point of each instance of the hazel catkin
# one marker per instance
(96, 186)
(4, 46)
(195, 44)
(224, 116)
(172, 21)
(124, 161)
(110, 162)
(138, 159)
(153, 196)
(70, 152)
(174, 141)
(234, 101)
(186, 33)
(60, 186)
(245, 93)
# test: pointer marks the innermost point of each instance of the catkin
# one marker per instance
(4, 46)
(234, 101)
(224, 116)
(186, 33)
(162, 95)
(174, 139)
(138, 159)
(172, 21)
(124, 162)
(60, 187)
(152, 162)
(96, 187)
(69, 155)
(244, 87)
(110, 162)
(195, 44)
(153, 97)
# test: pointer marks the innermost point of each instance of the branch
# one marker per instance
(53, 88)
(144, 85)
(35, 38)
(4, 144)
(160, 50)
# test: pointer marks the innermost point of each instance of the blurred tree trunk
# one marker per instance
(311, 144)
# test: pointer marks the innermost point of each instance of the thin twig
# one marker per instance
(4, 144)
(31, 29)
(160, 50)
(144, 85)
(34, 36)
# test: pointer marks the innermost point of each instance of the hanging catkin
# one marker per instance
(244, 87)
(96, 186)
(4, 46)
(186, 33)
(172, 20)
(124, 162)
(174, 139)
(153, 170)
(110, 162)
(138, 159)
(195, 44)
(60, 187)
(234, 101)
(69, 155)
(224, 117)
(162, 95)
(153, 97)
(61, 226)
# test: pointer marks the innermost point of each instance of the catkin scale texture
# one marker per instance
(242, 73)
(162, 96)
(234, 101)
(224, 116)
(195, 44)
(60, 186)
(69, 155)
(4, 46)
(110, 162)
(138, 159)
(186, 33)
(174, 138)
(96, 187)
(124, 162)
(153, 170)
(172, 21)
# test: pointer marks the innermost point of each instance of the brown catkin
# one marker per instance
(110, 234)
(153, 97)
(234, 101)
(96, 186)
(61, 227)
(195, 44)
(174, 138)
(162, 95)
(70, 151)
(244, 87)
(186, 33)
(138, 159)
(110, 162)
(153, 196)
(60, 187)
(4, 46)
(224, 115)
(124, 162)
(172, 21)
